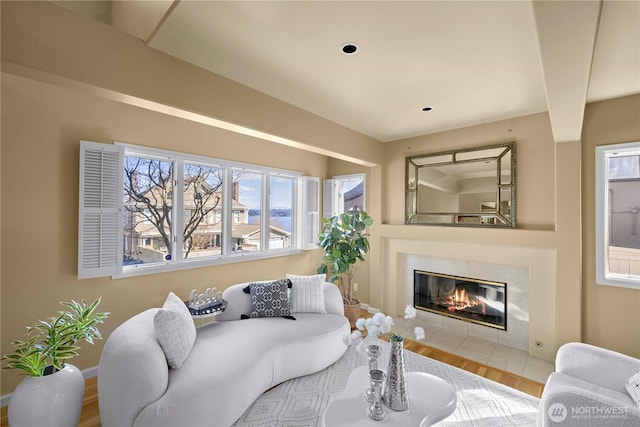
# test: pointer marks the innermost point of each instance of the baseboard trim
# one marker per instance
(86, 373)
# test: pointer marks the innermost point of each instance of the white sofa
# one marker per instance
(588, 389)
(230, 364)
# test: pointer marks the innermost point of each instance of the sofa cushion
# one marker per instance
(175, 330)
(633, 387)
(270, 299)
(307, 293)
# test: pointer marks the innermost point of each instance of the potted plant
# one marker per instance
(52, 393)
(344, 240)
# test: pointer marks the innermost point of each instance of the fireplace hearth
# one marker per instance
(472, 300)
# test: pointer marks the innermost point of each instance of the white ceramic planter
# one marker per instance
(53, 400)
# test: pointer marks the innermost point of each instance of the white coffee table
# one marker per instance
(431, 399)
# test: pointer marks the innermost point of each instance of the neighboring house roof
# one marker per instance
(354, 193)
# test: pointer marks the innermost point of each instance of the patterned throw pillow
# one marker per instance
(307, 293)
(270, 299)
(175, 330)
(633, 387)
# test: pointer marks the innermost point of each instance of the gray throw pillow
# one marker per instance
(270, 299)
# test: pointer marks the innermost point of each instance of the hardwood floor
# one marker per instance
(90, 416)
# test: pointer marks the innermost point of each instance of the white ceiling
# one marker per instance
(472, 61)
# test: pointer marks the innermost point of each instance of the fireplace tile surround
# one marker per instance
(516, 278)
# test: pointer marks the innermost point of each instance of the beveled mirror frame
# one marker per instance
(499, 211)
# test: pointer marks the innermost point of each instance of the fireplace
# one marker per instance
(472, 300)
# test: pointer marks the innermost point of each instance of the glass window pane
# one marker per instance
(148, 191)
(352, 194)
(281, 205)
(202, 226)
(246, 211)
(623, 211)
(624, 167)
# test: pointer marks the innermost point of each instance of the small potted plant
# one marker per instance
(52, 393)
(344, 240)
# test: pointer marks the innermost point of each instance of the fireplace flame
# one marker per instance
(460, 300)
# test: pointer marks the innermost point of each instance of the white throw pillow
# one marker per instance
(175, 330)
(307, 293)
(633, 387)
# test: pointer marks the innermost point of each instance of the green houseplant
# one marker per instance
(345, 242)
(53, 391)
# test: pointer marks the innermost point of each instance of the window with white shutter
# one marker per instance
(145, 211)
(343, 192)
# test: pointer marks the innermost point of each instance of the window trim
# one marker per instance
(603, 277)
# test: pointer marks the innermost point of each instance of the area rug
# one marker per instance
(302, 401)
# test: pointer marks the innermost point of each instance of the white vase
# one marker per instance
(53, 400)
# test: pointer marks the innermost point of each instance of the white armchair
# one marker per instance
(588, 389)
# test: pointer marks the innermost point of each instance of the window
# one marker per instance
(145, 211)
(617, 210)
(342, 193)
(280, 218)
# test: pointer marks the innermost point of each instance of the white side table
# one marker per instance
(431, 399)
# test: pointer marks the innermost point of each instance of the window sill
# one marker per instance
(620, 281)
(143, 270)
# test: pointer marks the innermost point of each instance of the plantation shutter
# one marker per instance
(100, 210)
(328, 198)
(310, 212)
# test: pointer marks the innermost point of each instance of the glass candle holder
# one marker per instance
(376, 411)
(373, 352)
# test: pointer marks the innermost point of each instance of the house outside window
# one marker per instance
(617, 215)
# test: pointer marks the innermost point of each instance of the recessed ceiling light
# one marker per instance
(349, 48)
(427, 108)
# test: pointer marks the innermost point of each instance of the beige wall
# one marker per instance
(67, 78)
(611, 314)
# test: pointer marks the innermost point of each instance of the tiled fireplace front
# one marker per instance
(515, 329)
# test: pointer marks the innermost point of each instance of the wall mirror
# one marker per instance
(467, 187)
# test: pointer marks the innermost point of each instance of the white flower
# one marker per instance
(379, 318)
(387, 325)
(381, 324)
(354, 338)
(373, 331)
(410, 312)
(369, 323)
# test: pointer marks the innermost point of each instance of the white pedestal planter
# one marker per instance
(53, 400)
